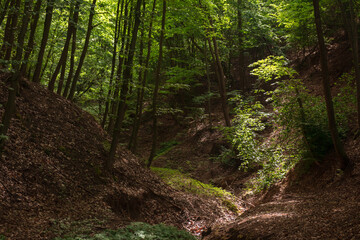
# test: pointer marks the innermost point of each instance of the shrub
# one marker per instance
(139, 231)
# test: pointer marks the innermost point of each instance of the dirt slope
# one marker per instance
(51, 177)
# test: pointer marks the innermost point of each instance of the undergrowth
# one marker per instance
(299, 121)
(139, 231)
(182, 182)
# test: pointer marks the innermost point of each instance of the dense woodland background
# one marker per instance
(244, 95)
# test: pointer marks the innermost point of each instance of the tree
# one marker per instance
(351, 25)
(156, 89)
(113, 60)
(62, 62)
(241, 47)
(47, 25)
(74, 24)
(142, 79)
(83, 53)
(33, 27)
(339, 149)
(127, 77)
(15, 78)
(10, 30)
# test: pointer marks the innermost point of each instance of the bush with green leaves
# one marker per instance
(300, 118)
(139, 231)
(243, 134)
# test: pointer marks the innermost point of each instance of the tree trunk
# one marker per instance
(10, 104)
(3, 12)
(241, 48)
(115, 101)
(113, 61)
(62, 61)
(10, 30)
(47, 24)
(156, 89)
(83, 53)
(221, 81)
(127, 76)
(143, 75)
(208, 83)
(339, 149)
(31, 40)
(73, 48)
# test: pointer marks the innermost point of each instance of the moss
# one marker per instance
(182, 182)
(138, 231)
(106, 145)
(165, 147)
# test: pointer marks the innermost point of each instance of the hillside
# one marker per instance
(320, 202)
(52, 182)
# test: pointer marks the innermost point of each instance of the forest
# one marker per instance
(179, 119)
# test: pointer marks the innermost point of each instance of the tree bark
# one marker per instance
(73, 48)
(127, 76)
(339, 149)
(241, 48)
(10, 104)
(31, 40)
(62, 61)
(113, 60)
(47, 24)
(156, 89)
(221, 81)
(10, 30)
(3, 12)
(115, 101)
(143, 75)
(83, 53)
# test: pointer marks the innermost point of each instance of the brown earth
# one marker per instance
(52, 181)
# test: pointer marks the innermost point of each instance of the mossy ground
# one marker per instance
(138, 231)
(183, 182)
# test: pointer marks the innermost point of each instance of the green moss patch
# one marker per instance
(182, 182)
(139, 231)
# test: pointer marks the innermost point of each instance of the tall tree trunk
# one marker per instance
(156, 89)
(47, 24)
(208, 83)
(127, 76)
(10, 30)
(124, 46)
(241, 48)
(339, 149)
(221, 80)
(3, 11)
(33, 26)
(83, 54)
(142, 78)
(62, 61)
(355, 51)
(113, 60)
(10, 105)
(73, 48)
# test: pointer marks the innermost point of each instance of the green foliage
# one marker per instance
(166, 147)
(3, 137)
(300, 118)
(138, 231)
(2, 237)
(182, 182)
(70, 229)
(243, 135)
